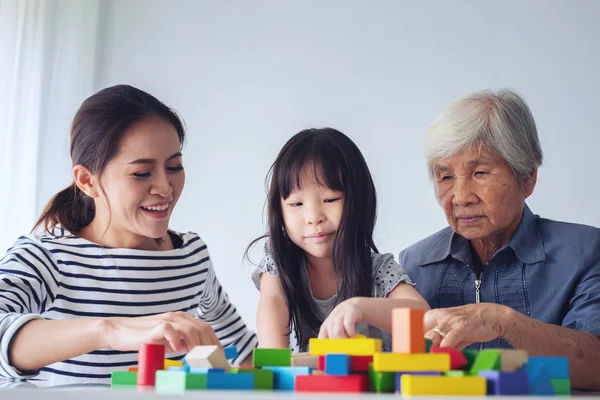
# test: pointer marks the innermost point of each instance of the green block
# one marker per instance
(456, 373)
(561, 386)
(381, 382)
(263, 378)
(470, 355)
(179, 381)
(487, 360)
(123, 378)
(272, 358)
(428, 344)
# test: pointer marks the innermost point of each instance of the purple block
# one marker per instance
(399, 377)
(506, 383)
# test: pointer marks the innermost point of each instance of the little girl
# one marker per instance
(104, 273)
(322, 275)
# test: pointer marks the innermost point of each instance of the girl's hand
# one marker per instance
(342, 321)
(178, 331)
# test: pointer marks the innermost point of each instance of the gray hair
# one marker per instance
(500, 121)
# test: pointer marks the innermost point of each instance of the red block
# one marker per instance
(321, 365)
(151, 358)
(360, 363)
(457, 359)
(330, 383)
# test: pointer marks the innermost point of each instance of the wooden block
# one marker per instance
(230, 381)
(360, 363)
(512, 360)
(561, 386)
(539, 383)
(487, 360)
(443, 385)
(381, 382)
(359, 336)
(179, 381)
(132, 369)
(123, 378)
(327, 383)
(352, 347)
(471, 356)
(284, 378)
(337, 364)
(231, 352)
(151, 358)
(305, 360)
(555, 367)
(407, 330)
(428, 344)
(394, 362)
(457, 359)
(456, 373)
(272, 358)
(506, 383)
(172, 363)
(207, 357)
(399, 376)
(263, 378)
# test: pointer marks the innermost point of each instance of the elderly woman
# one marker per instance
(500, 276)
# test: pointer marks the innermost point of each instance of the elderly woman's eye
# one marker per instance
(445, 177)
(480, 173)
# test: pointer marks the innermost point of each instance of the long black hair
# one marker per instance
(339, 163)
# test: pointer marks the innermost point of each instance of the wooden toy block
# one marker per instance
(284, 377)
(506, 383)
(359, 336)
(394, 362)
(230, 381)
(179, 381)
(360, 363)
(123, 378)
(457, 359)
(539, 383)
(272, 358)
(456, 373)
(398, 377)
(561, 386)
(263, 378)
(207, 357)
(305, 360)
(512, 360)
(151, 358)
(407, 330)
(177, 369)
(132, 369)
(172, 363)
(428, 344)
(231, 352)
(442, 385)
(470, 355)
(328, 383)
(352, 347)
(487, 360)
(381, 382)
(337, 364)
(555, 367)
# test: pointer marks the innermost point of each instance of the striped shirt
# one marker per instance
(43, 276)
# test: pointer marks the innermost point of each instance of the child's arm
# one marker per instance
(272, 318)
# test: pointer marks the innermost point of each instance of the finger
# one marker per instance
(338, 328)
(452, 339)
(349, 326)
(435, 337)
(323, 333)
(166, 333)
(430, 320)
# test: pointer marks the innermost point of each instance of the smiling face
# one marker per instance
(480, 194)
(141, 184)
(312, 216)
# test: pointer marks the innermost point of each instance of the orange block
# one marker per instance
(407, 330)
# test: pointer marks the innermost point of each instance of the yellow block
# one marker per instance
(443, 385)
(352, 347)
(172, 363)
(359, 336)
(400, 362)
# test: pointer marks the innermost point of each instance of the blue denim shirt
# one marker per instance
(549, 270)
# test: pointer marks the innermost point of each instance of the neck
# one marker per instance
(485, 248)
(320, 266)
(111, 236)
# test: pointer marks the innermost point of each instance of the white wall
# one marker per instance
(247, 75)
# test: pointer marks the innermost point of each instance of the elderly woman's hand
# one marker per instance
(458, 327)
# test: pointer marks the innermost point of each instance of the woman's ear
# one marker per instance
(529, 182)
(85, 181)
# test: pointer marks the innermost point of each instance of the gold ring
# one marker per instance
(442, 334)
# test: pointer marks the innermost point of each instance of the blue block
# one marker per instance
(173, 368)
(399, 377)
(284, 377)
(506, 383)
(200, 370)
(230, 381)
(556, 367)
(231, 352)
(539, 383)
(337, 364)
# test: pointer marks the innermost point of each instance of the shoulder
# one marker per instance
(570, 240)
(433, 248)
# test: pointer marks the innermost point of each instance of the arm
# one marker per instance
(272, 317)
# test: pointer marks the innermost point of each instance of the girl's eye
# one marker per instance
(332, 200)
(296, 204)
(175, 168)
(142, 174)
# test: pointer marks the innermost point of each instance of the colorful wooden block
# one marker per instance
(487, 360)
(442, 385)
(352, 347)
(512, 360)
(359, 336)
(360, 363)
(561, 386)
(272, 358)
(456, 373)
(123, 378)
(394, 362)
(555, 367)
(172, 363)
(457, 359)
(305, 360)
(231, 352)
(179, 381)
(284, 377)
(506, 383)
(230, 381)
(200, 370)
(337, 364)
(132, 369)
(407, 330)
(177, 369)
(428, 344)
(207, 357)
(327, 383)
(381, 382)
(151, 358)
(471, 356)
(263, 378)
(399, 375)
(539, 383)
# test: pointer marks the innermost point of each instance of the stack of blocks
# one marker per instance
(414, 367)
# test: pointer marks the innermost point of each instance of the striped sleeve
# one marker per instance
(216, 309)
(24, 289)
